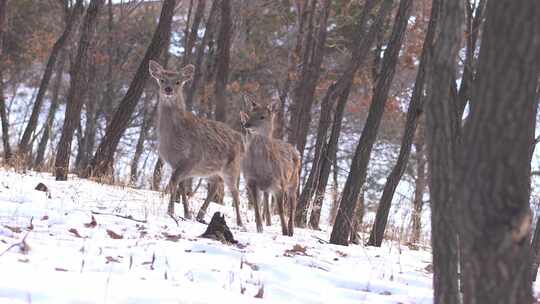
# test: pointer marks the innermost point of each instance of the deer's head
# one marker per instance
(259, 119)
(170, 83)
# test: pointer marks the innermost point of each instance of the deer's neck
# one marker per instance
(170, 112)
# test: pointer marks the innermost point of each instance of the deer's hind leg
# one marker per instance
(280, 198)
(291, 201)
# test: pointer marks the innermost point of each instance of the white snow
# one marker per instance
(60, 267)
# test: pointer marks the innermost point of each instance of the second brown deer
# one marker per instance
(194, 146)
(269, 165)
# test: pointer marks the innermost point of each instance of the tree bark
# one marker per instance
(102, 161)
(535, 247)
(355, 179)
(224, 55)
(495, 159)
(416, 107)
(3, 114)
(420, 185)
(441, 133)
(191, 36)
(74, 102)
(323, 150)
(57, 83)
(24, 144)
(358, 219)
(304, 91)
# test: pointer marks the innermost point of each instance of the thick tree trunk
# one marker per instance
(102, 161)
(57, 84)
(416, 106)
(442, 126)
(316, 181)
(495, 158)
(420, 185)
(74, 102)
(355, 179)
(24, 144)
(108, 95)
(3, 114)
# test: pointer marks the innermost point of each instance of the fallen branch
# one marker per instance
(23, 246)
(127, 217)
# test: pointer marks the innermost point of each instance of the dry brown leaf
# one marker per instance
(45, 217)
(92, 223)
(296, 250)
(75, 232)
(60, 269)
(114, 235)
(110, 259)
(172, 237)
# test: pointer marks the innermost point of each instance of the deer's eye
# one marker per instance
(178, 82)
(162, 80)
(263, 117)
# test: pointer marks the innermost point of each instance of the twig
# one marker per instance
(320, 240)
(127, 217)
(22, 245)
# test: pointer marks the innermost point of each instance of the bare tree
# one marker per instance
(74, 101)
(416, 107)
(325, 149)
(102, 161)
(495, 159)
(357, 175)
(58, 46)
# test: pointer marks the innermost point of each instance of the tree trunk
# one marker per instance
(535, 246)
(102, 162)
(416, 106)
(340, 90)
(441, 134)
(147, 118)
(312, 50)
(495, 159)
(191, 36)
(420, 185)
(199, 54)
(157, 174)
(358, 219)
(355, 179)
(215, 186)
(57, 84)
(108, 95)
(24, 144)
(3, 114)
(74, 102)
(89, 135)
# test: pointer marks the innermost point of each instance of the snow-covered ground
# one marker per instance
(51, 251)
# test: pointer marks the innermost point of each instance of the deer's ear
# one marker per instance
(243, 117)
(188, 70)
(155, 69)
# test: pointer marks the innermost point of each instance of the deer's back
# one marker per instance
(210, 146)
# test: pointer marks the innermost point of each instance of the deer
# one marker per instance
(270, 165)
(193, 146)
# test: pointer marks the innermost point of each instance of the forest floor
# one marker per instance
(71, 245)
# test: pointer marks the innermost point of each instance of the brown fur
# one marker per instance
(194, 146)
(269, 165)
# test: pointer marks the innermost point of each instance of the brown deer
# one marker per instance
(191, 145)
(269, 165)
